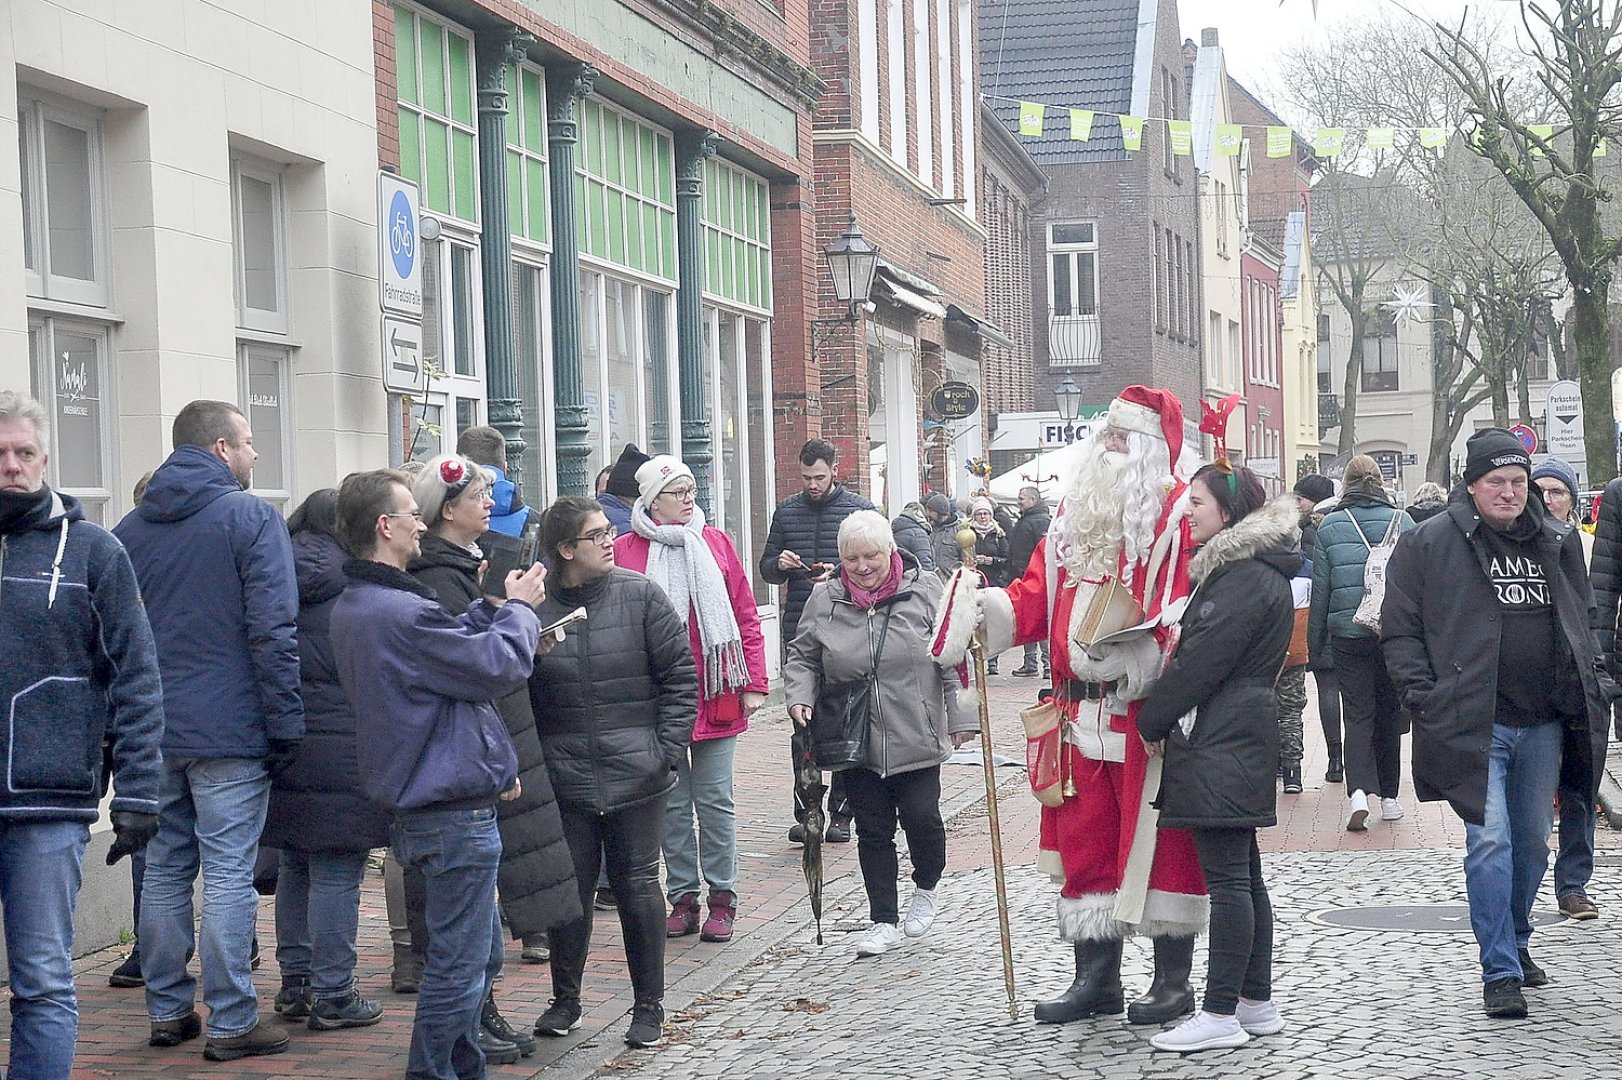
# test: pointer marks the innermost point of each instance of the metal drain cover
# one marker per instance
(1414, 918)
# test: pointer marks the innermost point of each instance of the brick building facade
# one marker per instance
(1009, 181)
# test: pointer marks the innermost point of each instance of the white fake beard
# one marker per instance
(1090, 526)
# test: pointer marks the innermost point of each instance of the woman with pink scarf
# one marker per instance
(698, 569)
(874, 617)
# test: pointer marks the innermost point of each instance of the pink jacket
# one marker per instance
(721, 716)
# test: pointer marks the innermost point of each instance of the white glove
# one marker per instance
(960, 615)
(1133, 665)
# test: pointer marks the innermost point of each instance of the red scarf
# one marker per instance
(864, 599)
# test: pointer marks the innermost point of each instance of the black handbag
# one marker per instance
(843, 716)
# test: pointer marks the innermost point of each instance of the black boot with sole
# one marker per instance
(1096, 991)
(1169, 994)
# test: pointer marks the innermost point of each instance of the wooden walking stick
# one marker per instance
(966, 538)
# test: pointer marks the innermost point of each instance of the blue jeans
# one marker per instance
(457, 852)
(317, 916)
(40, 865)
(704, 785)
(1505, 856)
(210, 814)
(1574, 864)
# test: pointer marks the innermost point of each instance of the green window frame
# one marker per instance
(527, 180)
(625, 191)
(736, 219)
(438, 134)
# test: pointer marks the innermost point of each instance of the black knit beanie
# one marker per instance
(1493, 448)
(1315, 488)
(622, 477)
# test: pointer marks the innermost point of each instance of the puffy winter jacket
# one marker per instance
(509, 515)
(912, 535)
(1338, 558)
(1027, 532)
(616, 699)
(216, 572)
(810, 529)
(1605, 572)
(1236, 628)
(994, 546)
(78, 666)
(536, 875)
(918, 705)
(316, 803)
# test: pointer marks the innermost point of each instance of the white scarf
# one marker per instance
(681, 563)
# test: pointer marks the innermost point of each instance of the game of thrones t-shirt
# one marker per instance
(1527, 660)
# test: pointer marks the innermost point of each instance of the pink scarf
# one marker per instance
(864, 599)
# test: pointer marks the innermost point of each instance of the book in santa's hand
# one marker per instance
(1111, 609)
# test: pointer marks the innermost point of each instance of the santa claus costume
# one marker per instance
(1121, 522)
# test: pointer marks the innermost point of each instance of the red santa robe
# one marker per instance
(1120, 874)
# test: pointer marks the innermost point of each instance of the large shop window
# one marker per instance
(736, 220)
(453, 350)
(625, 192)
(73, 380)
(737, 351)
(264, 388)
(64, 219)
(627, 361)
(526, 153)
(438, 137)
(531, 330)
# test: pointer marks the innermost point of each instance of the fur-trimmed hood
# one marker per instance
(1271, 534)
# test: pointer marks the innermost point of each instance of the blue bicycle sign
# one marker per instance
(402, 234)
(399, 247)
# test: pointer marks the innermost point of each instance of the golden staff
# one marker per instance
(966, 539)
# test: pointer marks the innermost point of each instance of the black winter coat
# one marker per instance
(811, 531)
(994, 546)
(316, 803)
(536, 875)
(1222, 774)
(1440, 628)
(616, 700)
(1027, 532)
(912, 536)
(1605, 572)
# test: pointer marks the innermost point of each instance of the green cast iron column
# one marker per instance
(693, 149)
(565, 86)
(495, 50)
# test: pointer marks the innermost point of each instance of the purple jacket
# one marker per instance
(422, 681)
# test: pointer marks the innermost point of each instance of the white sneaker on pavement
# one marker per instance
(1357, 812)
(1202, 1031)
(1259, 1017)
(879, 939)
(921, 914)
(1391, 810)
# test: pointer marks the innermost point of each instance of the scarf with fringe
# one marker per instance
(681, 563)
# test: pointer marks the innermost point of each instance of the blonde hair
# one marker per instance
(1361, 468)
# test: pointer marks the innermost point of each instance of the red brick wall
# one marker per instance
(388, 94)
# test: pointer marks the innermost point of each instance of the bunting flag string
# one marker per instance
(1229, 139)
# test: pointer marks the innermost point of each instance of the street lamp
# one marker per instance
(1068, 395)
(852, 261)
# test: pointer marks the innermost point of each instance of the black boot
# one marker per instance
(1292, 779)
(1336, 773)
(1097, 989)
(1169, 994)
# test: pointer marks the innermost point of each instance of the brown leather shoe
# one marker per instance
(175, 1032)
(263, 1039)
(1577, 906)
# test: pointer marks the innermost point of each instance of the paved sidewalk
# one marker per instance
(736, 1008)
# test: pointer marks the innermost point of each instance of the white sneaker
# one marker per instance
(1259, 1017)
(921, 915)
(1202, 1031)
(1357, 812)
(1391, 810)
(880, 939)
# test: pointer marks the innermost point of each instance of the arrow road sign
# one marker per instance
(403, 369)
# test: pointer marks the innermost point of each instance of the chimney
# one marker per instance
(1208, 38)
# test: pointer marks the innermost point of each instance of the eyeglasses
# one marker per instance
(602, 537)
(405, 513)
(681, 494)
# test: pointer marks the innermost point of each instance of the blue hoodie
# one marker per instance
(509, 515)
(216, 572)
(78, 666)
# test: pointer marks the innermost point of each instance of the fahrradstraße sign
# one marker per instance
(399, 263)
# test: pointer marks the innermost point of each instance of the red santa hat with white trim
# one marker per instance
(1153, 412)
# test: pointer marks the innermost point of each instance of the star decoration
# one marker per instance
(1408, 304)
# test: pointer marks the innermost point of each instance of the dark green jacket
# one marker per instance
(1337, 565)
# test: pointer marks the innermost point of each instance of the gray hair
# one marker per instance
(866, 526)
(15, 406)
(429, 490)
(1430, 491)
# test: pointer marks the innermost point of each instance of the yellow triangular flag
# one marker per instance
(1132, 132)
(1599, 148)
(1329, 141)
(1081, 124)
(1432, 137)
(1181, 133)
(1031, 115)
(1228, 138)
(1380, 139)
(1278, 141)
(1542, 131)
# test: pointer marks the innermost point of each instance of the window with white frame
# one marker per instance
(531, 322)
(453, 350)
(627, 358)
(944, 105)
(65, 234)
(737, 351)
(968, 101)
(923, 91)
(259, 231)
(73, 380)
(1073, 266)
(897, 77)
(264, 378)
(867, 41)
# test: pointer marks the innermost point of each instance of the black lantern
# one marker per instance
(852, 261)
(1068, 395)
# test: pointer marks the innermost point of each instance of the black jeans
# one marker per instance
(838, 800)
(915, 799)
(1374, 720)
(628, 841)
(1328, 683)
(1241, 937)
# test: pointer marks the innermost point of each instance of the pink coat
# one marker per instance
(721, 716)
